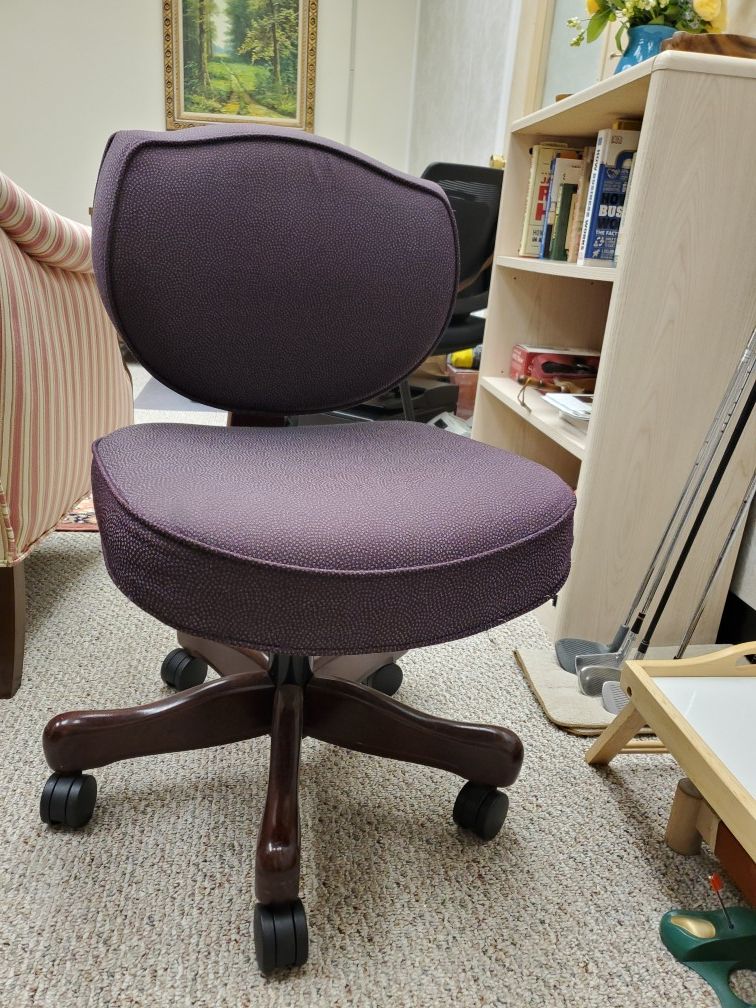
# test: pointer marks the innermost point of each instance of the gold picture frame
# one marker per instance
(237, 63)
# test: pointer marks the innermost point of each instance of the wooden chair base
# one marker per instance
(288, 698)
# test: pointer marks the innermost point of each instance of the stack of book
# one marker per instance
(576, 197)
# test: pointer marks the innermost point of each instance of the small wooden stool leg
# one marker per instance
(682, 831)
(615, 736)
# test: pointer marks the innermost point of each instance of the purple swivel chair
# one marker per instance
(271, 273)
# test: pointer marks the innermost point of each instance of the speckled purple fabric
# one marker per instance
(265, 269)
(328, 540)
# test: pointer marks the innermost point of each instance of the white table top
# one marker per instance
(722, 710)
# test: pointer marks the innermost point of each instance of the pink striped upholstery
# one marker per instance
(62, 381)
(41, 233)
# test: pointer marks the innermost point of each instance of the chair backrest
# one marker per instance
(474, 193)
(261, 269)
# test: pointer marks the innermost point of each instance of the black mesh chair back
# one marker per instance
(474, 193)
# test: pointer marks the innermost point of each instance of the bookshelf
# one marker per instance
(541, 415)
(671, 320)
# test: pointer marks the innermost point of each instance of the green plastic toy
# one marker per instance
(705, 942)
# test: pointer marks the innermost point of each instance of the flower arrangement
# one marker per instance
(696, 16)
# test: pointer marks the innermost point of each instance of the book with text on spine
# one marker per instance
(564, 167)
(564, 202)
(538, 189)
(606, 195)
(623, 219)
(578, 205)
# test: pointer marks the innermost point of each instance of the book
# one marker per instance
(623, 218)
(606, 193)
(578, 212)
(538, 187)
(564, 201)
(565, 167)
(571, 221)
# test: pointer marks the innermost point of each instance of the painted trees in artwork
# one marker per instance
(241, 56)
(272, 37)
(198, 39)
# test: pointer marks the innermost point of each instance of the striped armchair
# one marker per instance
(62, 384)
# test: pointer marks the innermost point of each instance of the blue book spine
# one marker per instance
(591, 197)
(610, 193)
(611, 186)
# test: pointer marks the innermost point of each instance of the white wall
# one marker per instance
(570, 68)
(74, 71)
(385, 41)
(461, 82)
(71, 73)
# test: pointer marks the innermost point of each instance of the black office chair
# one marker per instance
(474, 193)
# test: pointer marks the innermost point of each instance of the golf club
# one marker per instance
(569, 648)
(594, 670)
(613, 697)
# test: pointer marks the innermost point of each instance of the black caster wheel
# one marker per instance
(481, 809)
(68, 800)
(181, 670)
(387, 679)
(280, 935)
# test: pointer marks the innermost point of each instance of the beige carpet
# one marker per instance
(151, 904)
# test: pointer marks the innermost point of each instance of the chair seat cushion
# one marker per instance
(343, 539)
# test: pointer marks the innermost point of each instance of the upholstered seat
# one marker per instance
(341, 539)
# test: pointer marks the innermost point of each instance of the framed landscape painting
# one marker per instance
(240, 61)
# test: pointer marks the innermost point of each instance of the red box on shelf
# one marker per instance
(523, 353)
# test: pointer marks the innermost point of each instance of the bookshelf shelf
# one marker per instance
(623, 95)
(542, 416)
(670, 327)
(549, 267)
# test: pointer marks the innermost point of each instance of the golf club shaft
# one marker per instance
(712, 440)
(741, 512)
(737, 386)
(702, 511)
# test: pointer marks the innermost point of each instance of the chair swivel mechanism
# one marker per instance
(299, 562)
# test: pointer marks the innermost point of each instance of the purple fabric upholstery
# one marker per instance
(328, 540)
(264, 269)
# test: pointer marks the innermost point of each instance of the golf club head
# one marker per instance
(613, 697)
(591, 679)
(568, 648)
(606, 659)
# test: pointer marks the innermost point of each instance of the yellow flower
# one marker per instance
(707, 9)
(719, 23)
(592, 6)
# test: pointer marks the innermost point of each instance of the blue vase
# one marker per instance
(643, 42)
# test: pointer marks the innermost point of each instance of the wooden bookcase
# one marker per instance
(671, 321)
